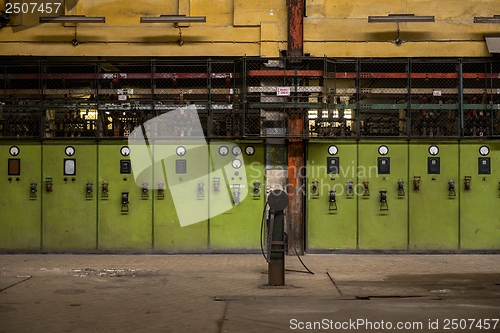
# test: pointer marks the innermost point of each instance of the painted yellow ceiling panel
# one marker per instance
(125, 13)
(386, 49)
(218, 12)
(361, 8)
(454, 8)
(253, 12)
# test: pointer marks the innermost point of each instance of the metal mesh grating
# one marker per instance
(383, 98)
(253, 97)
(20, 101)
(435, 109)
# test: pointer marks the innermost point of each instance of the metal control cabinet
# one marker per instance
(122, 226)
(20, 197)
(182, 167)
(479, 186)
(328, 228)
(68, 214)
(434, 210)
(382, 225)
(237, 228)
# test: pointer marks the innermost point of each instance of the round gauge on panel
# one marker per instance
(383, 150)
(333, 150)
(249, 150)
(125, 151)
(223, 150)
(180, 151)
(484, 150)
(14, 150)
(433, 150)
(236, 150)
(70, 150)
(236, 164)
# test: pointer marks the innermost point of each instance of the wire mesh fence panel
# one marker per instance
(176, 85)
(305, 79)
(494, 97)
(20, 101)
(477, 93)
(225, 115)
(435, 99)
(124, 97)
(266, 95)
(383, 98)
(69, 100)
(338, 117)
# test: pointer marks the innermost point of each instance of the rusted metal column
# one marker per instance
(295, 28)
(295, 216)
(295, 187)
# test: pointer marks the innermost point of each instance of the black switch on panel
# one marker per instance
(433, 166)
(384, 165)
(180, 166)
(483, 166)
(332, 165)
(125, 166)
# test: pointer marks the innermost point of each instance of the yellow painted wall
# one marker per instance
(258, 27)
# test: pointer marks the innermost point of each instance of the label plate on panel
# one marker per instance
(384, 165)
(333, 165)
(180, 166)
(433, 165)
(483, 166)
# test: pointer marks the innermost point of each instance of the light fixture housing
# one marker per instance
(483, 19)
(72, 19)
(173, 19)
(400, 18)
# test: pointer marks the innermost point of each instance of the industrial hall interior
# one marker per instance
(236, 126)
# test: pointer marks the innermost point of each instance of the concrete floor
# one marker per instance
(224, 293)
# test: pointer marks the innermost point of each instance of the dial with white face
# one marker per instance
(180, 151)
(236, 150)
(125, 151)
(223, 151)
(236, 163)
(383, 150)
(14, 150)
(433, 150)
(333, 150)
(249, 150)
(70, 150)
(484, 150)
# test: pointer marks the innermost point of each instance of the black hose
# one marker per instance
(261, 230)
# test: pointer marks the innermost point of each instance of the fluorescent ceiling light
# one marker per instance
(400, 18)
(72, 19)
(493, 19)
(173, 19)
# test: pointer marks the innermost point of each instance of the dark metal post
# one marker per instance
(278, 201)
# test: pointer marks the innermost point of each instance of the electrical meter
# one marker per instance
(249, 150)
(333, 150)
(70, 151)
(383, 150)
(484, 150)
(236, 150)
(14, 150)
(236, 164)
(180, 151)
(433, 150)
(125, 151)
(223, 151)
